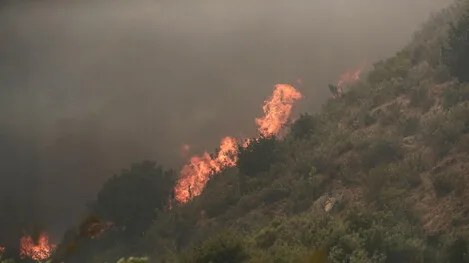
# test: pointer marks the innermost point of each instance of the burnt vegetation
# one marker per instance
(389, 159)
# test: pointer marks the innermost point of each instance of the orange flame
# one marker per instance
(39, 250)
(277, 109)
(350, 76)
(195, 175)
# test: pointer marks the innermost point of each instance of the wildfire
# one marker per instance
(39, 250)
(97, 229)
(195, 175)
(350, 76)
(277, 109)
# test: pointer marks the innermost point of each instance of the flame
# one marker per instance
(39, 250)
(97, 229)
(277, 109)
(195, 175)
(350, 76)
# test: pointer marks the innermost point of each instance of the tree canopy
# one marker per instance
(131, 200)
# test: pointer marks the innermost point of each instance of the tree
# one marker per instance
(131, 200)
(304, 127)
(258, 155)
(456, 53)
(226, 247)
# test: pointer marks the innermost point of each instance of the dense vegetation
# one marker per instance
(379, 175)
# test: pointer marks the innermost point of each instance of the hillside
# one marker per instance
(378, 175)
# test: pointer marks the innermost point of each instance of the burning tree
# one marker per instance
(346, 78)
(195, 175)
(38, 250)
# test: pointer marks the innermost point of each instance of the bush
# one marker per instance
(131, 200)
(445, 183)
(456, 53)
(226, 247)
(305, 192)
(396, 67)
(375, 181)
(409, 125)
(412, 167)
(390, 115)
(442, 133)
(258, 155)
(379, 152)
(454, 95)
(464, 145)
(274, 193)
(304, 127)
(457, 250)
(419, 98)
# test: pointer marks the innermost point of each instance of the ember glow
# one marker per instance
(97, 229)
(195, 175)
(350, 76)
(39, 250)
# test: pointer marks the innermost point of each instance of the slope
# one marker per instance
(377, 176)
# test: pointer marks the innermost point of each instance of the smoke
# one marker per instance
(87, 87)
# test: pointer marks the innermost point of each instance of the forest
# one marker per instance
(378, 175)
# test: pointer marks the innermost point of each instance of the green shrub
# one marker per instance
(464, 144)
(456, 53)
(226, 247)
(390, 115)
(419, 98)
(454, 95)
(305, 192)
(375, 181)
(381, 151)
(395, 67)
(445, 183)
(409, 125)
(442, 133)
(132, 199)
(305, 126)
(274, 193)
(258, 156)
(457, 250)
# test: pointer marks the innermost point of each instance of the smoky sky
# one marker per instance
(88, 87)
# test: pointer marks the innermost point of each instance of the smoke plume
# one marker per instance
(88, 87)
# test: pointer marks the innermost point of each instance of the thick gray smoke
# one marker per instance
(87, 87)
